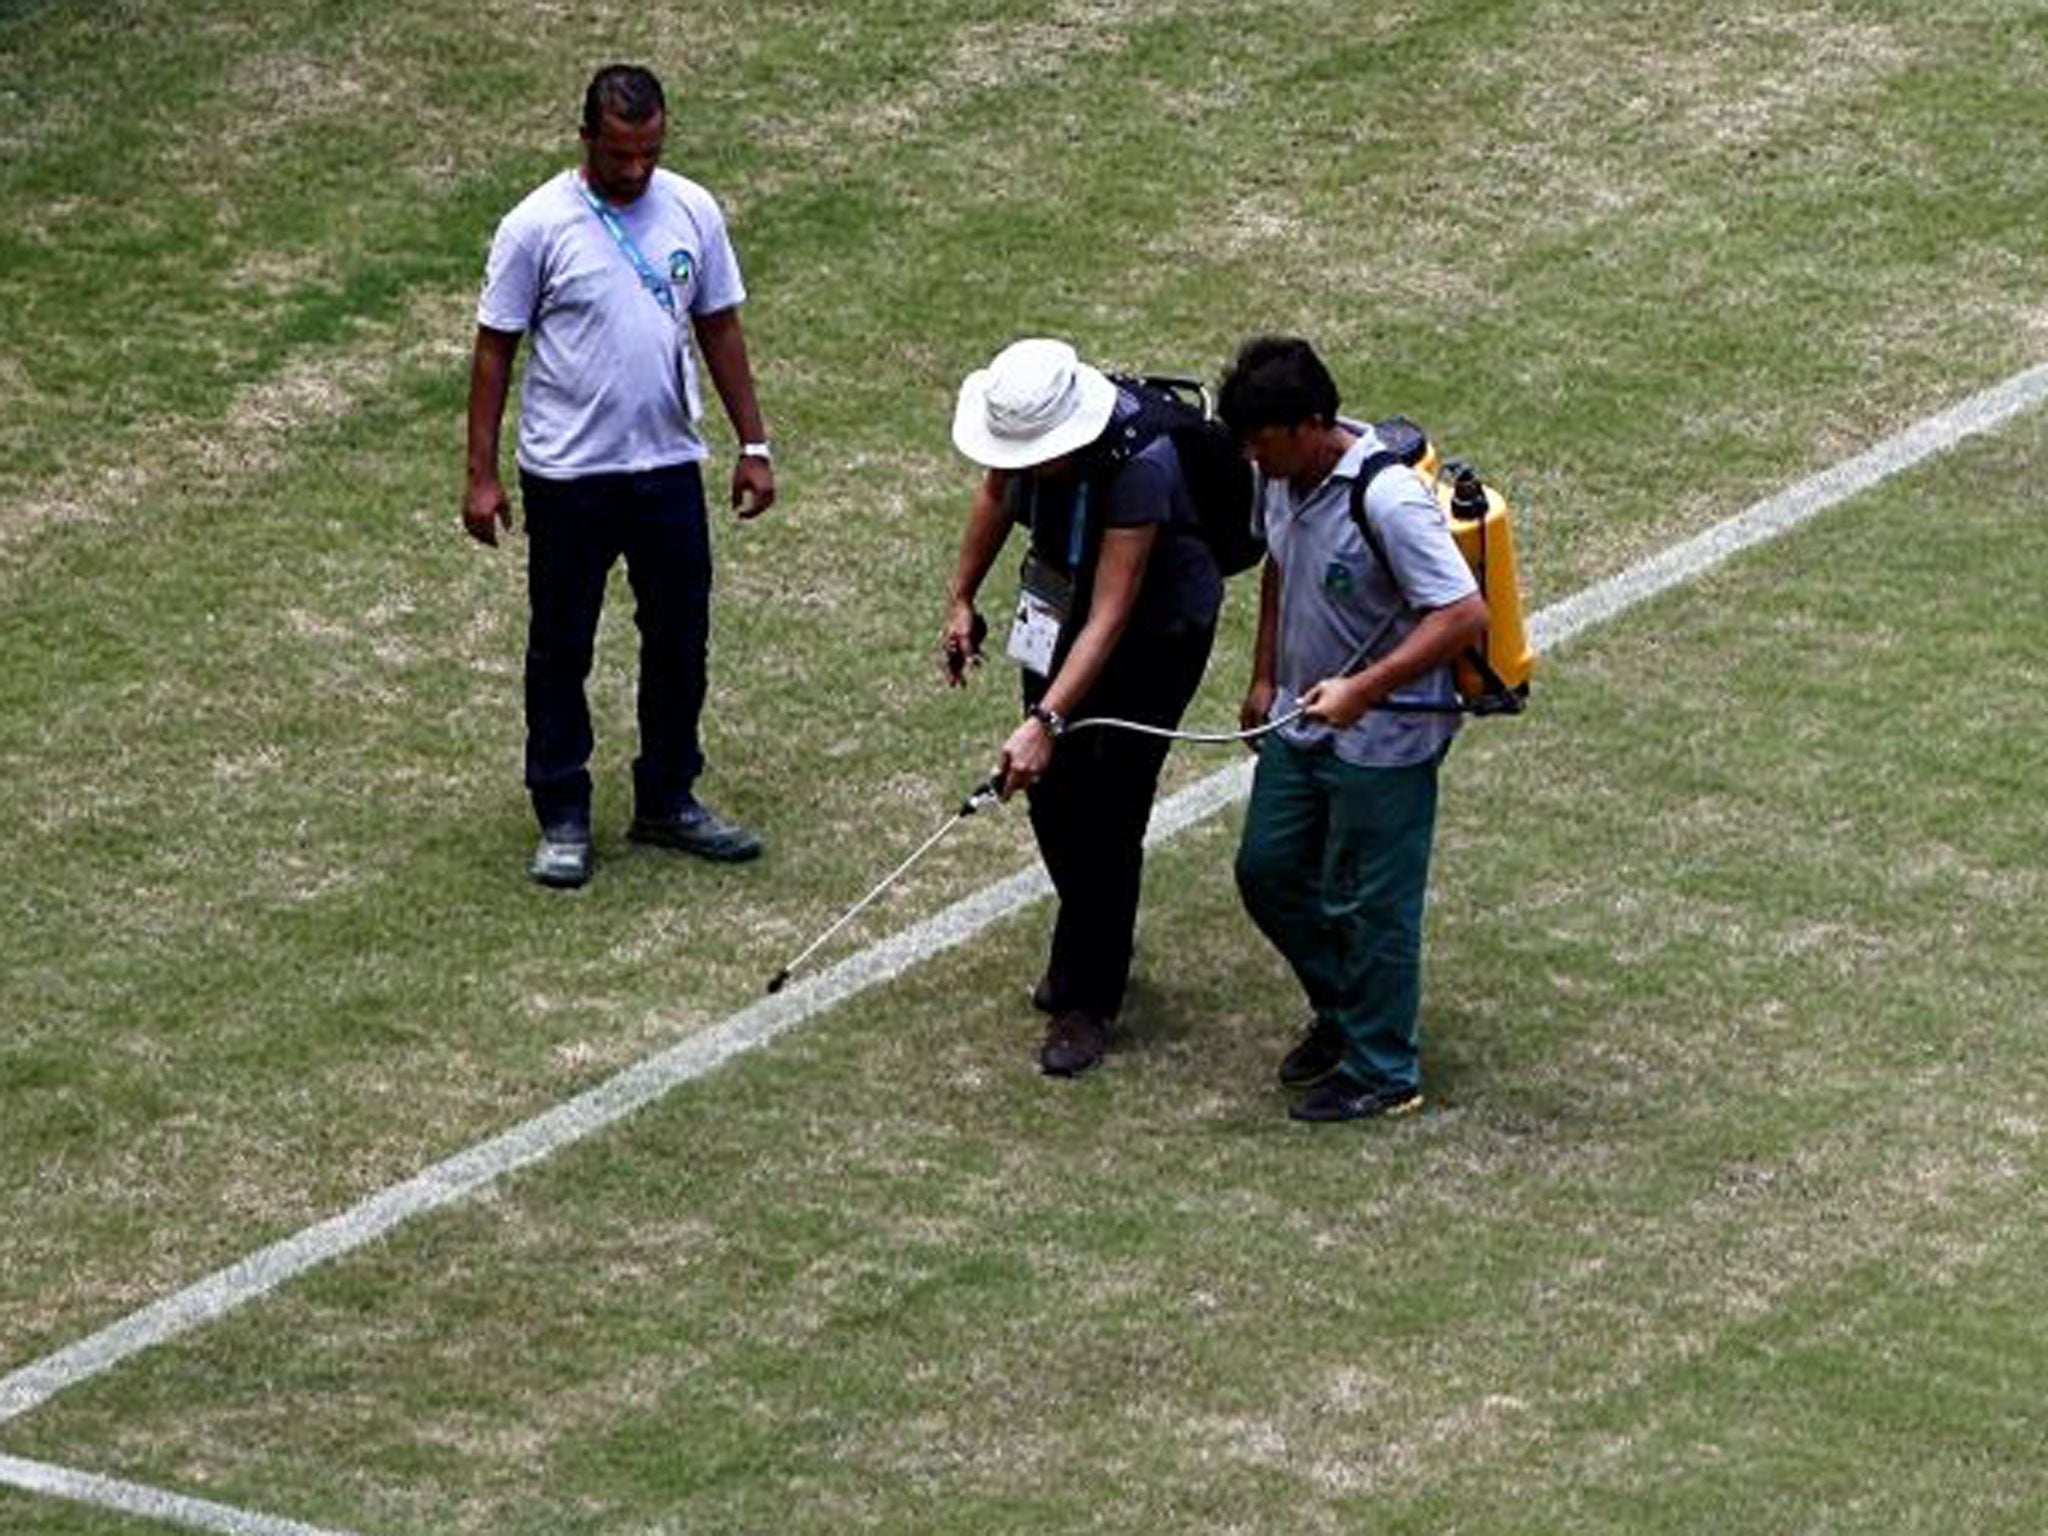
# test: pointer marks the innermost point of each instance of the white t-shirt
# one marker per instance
(611, 382)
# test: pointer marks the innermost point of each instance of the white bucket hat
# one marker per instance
(1035, 401)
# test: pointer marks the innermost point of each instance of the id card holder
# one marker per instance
(1044, 598)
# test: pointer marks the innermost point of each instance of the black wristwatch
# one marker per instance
(1055, 723)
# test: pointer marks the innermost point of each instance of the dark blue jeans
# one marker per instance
(575, 531)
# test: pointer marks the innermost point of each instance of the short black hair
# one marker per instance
(625, 91)
(1277, 381)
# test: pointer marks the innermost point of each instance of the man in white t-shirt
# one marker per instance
(615, 269)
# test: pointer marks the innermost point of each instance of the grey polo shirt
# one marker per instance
(1336, 595)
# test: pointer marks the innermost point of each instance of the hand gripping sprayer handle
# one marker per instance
(985, 794)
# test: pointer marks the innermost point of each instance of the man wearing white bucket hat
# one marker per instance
(1116, 612)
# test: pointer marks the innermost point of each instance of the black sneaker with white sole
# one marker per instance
(1343, 1097)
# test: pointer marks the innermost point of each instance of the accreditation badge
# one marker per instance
(1044, 598)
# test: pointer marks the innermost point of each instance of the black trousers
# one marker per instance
(576, 530)
(1090, 810)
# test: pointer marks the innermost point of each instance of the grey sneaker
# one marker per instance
(697, 829)
(562, 858)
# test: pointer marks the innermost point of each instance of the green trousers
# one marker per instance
(1333, 868)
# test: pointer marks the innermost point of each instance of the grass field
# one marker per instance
(1726, 1214)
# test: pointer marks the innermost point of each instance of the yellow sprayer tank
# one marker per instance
(1483, 524)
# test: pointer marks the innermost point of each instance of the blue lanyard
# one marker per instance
(651, 280)
(1077, 519)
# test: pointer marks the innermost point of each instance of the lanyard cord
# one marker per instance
(649, 279)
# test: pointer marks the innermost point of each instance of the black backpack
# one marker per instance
(1218, 478)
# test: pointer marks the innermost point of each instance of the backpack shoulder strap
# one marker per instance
(1368, 472)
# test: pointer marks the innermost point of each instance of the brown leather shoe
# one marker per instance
(1074, 1042)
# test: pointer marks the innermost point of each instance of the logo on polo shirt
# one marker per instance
(680, 267)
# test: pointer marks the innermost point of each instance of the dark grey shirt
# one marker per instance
(1182, 590)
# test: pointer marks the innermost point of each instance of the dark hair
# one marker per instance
(625, 91)
(1277, 381)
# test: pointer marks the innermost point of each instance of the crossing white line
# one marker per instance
(256, 1276)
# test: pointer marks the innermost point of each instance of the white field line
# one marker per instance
(147, 1503)
(249, 1279)
(1982, 412)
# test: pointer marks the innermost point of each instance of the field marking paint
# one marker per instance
(256, 1276)
(1981, 412)
(147, 1503)
(610, 1101)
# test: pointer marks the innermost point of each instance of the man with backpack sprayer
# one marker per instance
(1116, 615)
(1334, 861)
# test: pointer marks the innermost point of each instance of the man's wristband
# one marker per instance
(1055, 723)
(757, 451)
